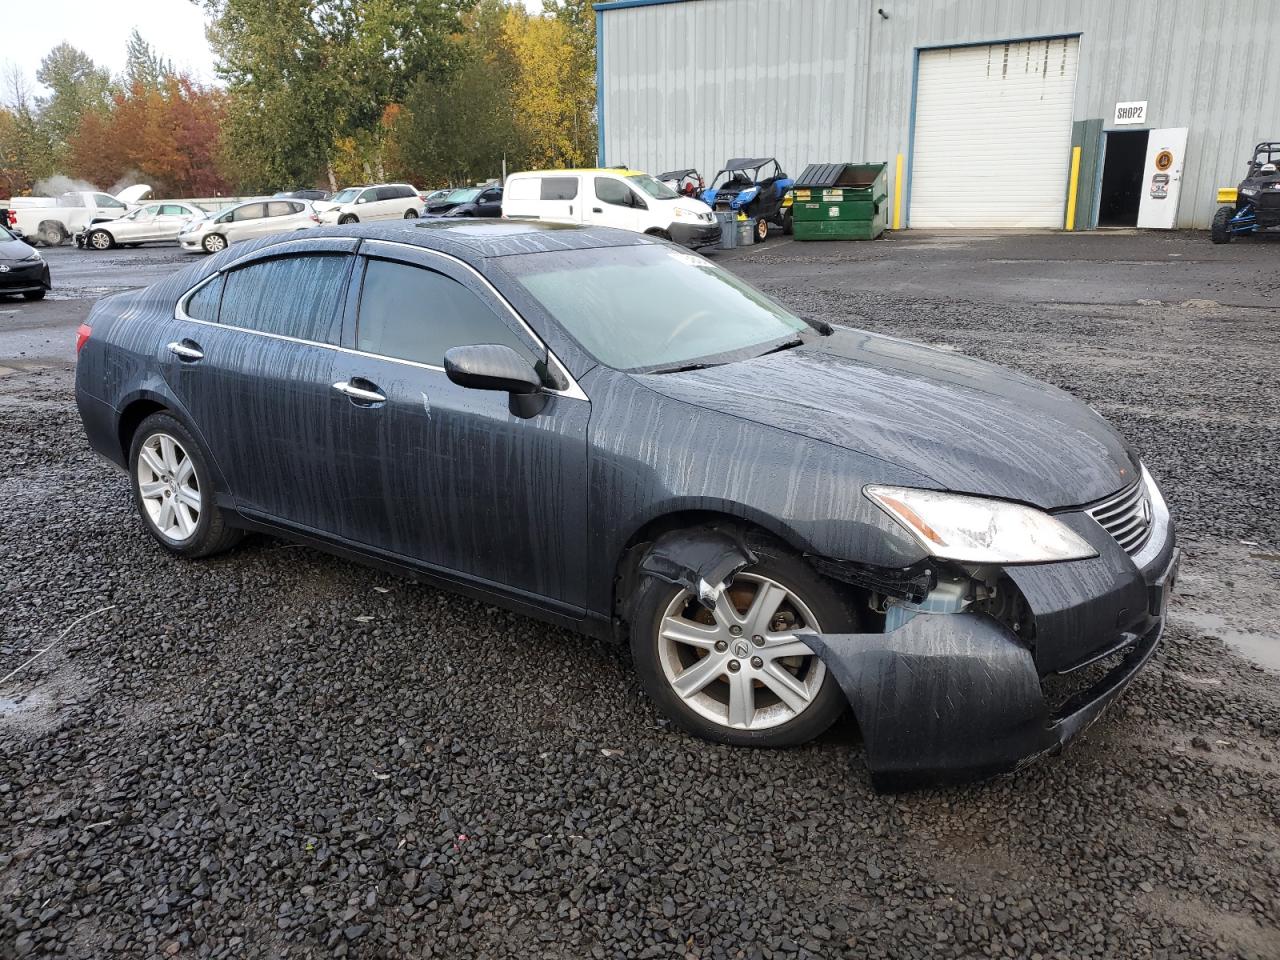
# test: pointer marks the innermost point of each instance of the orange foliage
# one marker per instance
(167, 136)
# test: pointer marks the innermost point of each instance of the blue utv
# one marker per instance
(754, 187)
(1253, 206)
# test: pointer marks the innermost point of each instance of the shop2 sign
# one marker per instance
(1132, 111)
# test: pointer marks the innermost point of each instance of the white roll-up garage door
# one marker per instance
(992, 141)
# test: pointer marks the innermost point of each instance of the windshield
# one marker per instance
(346, 196)
(465, 195)
(649, 308)
(654, 188)
(6, 235)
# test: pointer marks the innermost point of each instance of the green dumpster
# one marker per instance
(840, 201)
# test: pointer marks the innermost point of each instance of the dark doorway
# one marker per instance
(1126, 153)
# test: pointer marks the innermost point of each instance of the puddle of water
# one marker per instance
(1258, 647)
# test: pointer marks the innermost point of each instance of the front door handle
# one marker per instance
(358, 394)
(596, 210)
(187, 351)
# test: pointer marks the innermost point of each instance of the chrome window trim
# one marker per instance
(572, 392)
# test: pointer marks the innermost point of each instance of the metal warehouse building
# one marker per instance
(990, 113)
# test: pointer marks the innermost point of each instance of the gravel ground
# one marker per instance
(278, 753)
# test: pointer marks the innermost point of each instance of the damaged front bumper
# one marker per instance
(952, 697)
(946, 698)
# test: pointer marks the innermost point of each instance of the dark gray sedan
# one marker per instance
(605, 431)
(23, 271)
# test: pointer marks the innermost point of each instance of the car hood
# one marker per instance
(134, 194)
(15, 250)
(971, 426)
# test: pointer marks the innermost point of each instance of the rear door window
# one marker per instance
(299, 297)
(250, 211)
(174, 210)
(280, 208)
(559, 188)
(203, 304)
(524, 188)
(413, 313)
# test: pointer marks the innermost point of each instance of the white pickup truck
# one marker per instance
(51, 220)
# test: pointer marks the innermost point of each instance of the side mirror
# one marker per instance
(493, 366)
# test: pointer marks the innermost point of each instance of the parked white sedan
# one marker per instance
(256, 218)
(154, 223)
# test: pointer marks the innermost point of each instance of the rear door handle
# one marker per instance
(358, 394)
(186, 350)
(596, 210)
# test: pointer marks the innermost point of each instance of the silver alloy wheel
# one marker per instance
(100, 240)
(169, 487)
(749, 668)
(214, 242)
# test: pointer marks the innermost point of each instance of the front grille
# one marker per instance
(1127, 517)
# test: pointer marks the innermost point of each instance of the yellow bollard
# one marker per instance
(1071, 188)
(897, 195)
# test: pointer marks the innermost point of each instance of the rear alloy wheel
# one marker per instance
(214, 243)
(173, 490)
(742, 674)
(348, 218)
(762, 230)
(411, 214)
(1220, 229)
(100, 240)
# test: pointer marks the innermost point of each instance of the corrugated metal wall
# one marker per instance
(693, 83)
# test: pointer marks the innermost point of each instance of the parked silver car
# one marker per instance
(154, 223)
(256, 218)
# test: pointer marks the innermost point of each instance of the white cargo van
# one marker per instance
(627, 199)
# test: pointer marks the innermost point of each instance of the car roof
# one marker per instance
(473, 240)
(616, 171)
(747, 163)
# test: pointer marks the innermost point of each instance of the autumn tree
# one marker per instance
(550, 109)
(579, 20)
(167, 136)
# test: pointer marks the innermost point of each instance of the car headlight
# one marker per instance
(685, 212)
(1249, 191)
(35, 255)
(979, 530)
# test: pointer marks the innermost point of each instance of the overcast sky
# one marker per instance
(101, 29)
(31, 28)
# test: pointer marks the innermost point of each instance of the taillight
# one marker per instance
(316, 218)
(82, 335)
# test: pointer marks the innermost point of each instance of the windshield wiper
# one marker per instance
(685, 367)
(785, 345)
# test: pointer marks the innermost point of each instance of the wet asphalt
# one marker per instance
(278, 753)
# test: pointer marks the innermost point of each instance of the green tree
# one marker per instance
(144, 67)
(26, 154)
(303, 74)
(77, 85)
(459, 128)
